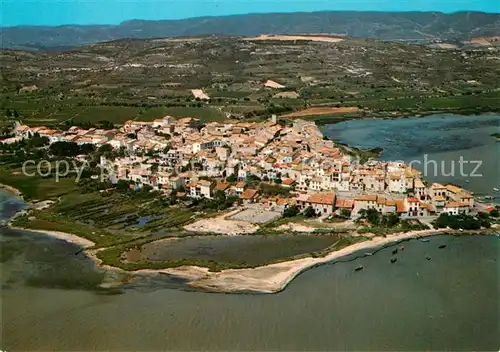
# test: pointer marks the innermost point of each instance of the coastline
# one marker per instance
(14, 191)
(271, 278)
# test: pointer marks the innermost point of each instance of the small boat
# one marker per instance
(402, 248)
(368, 254)
(467, 181)
(496, 189)
(428, 258)
(424, 240)
(442, 246)
(393, 260)
(395, 251)
(80, 251)
(358, 268)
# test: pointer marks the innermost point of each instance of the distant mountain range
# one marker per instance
(405, 26)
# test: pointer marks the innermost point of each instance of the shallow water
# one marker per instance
(443, 138)
(447, 303)
(248, 250)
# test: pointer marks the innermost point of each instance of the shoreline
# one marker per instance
(270, 278)
(12, 190)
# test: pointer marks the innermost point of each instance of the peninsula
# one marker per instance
(158, 184)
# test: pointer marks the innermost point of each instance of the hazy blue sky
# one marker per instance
(57, 12)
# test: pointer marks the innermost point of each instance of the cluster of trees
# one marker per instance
(270, 190)
(17, 153)
(376, 218)
(219, 202)
(103, 124)
(294, 210)
(463, 221)
(70, 149)
(11, 113)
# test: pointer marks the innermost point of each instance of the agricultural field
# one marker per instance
(147, 79)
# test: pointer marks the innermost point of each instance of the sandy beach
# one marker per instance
(68, 237)
(11, 189)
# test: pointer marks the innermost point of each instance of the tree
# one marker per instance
(390, 220)
(495, 213)
(123, 185)
(16, 114)
(61, 149)
(309, 212)
(105, 148)
(346, 213)
(154, 168)
(291, 211)
(232, 178)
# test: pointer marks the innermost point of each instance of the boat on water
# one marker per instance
(358, 268)
(467, 181)
(80, 251)
(368, 254)
(393, 260)
(395, 251)
(496, 189)
(424, 240)
(428, 258)
(442, 246)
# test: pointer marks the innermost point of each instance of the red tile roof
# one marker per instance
(248, 194)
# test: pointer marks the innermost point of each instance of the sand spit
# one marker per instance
(275, 277)
(265, 279)
(68, 237)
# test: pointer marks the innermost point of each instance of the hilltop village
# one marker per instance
(194, 160)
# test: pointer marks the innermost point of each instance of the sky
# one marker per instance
(60, 12)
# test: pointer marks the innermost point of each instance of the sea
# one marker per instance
(431, 298)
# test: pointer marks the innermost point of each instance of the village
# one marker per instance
(187, 158)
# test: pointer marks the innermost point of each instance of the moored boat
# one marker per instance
(442, 246)
(358, 268)
(393, 260)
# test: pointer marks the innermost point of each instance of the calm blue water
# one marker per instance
(443, 139)
(49, 302)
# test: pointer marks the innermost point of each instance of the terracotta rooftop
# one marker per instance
(222, 186)
(454, 189)
(288, 182)
(248, 194)
(322, 198)
(367, 198)
(400, 206)
(344, 203)
(456, 205)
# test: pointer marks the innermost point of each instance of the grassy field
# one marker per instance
(36, 187)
